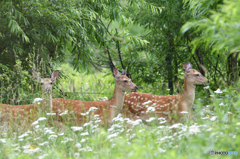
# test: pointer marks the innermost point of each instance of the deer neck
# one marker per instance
(189, 93)
(50, 98)
(116, 102)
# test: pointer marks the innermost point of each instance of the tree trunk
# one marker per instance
(232, 68)
(169, 72)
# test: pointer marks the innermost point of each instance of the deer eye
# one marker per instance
(197, 74)
(41, 83)
(125, 81)
(51, 83)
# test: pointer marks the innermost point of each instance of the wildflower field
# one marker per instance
(71, 49)
(215, 127)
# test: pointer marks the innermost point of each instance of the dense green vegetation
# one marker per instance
(152, 39)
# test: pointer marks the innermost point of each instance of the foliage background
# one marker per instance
(152, 38)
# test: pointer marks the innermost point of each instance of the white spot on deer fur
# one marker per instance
(132, 103)
(128, 101)
(141, 98)
(134, 97)
(138, 96)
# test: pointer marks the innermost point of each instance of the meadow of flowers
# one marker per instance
(215, 126)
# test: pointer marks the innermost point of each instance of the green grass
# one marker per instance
(216, 126)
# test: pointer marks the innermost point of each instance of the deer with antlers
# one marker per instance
(144, 105)
(25, 110)
(106, 110)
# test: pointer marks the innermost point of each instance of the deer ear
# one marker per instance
(36, 76)
(55, 76)
(186, 67)
(124, 72)
(115, 72)
(189, 65)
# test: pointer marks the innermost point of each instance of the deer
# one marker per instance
(25, 110)
(106, 110)
(169, 107)
(46, 84)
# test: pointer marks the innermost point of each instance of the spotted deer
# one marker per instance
(46, 84)
(25, 110)
(106, 110)
(144, 105)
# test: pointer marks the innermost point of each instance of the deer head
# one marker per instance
(193, 76)
(123, 82)
(46, 83)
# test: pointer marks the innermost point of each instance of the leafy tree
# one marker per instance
(218, 31)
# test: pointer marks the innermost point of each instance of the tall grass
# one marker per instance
(216, 126)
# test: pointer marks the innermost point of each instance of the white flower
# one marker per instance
(218, 91)
(103, 98)
(207, 87)
(161, 150)
(23, 135)
(177, 125)
(75, 128)
(136, 122)
(150, 109)
(150, 119)
(113, 135)
(205, 117)
(37, 100)
(184, 112)
(49, 131)
(42, 118)
(35, 123)
(43, 156)
(221, 104)
(147, 102)
(85, 114)
(229, 112)
(84, 134)
(194, 129)
(78, 145)
(213, 118)
(165, 137)
(238, 123)
(51, 113)
(210, 129)
(161, 127)
(64, 113)
(44, 143)
(52, 136)
(3, 140)
(76, 155)
(92, 109)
